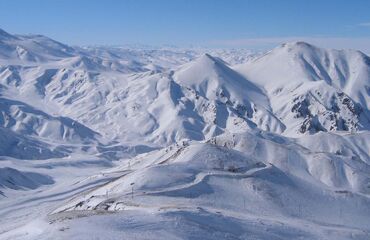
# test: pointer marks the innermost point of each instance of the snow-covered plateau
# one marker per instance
(171, 143)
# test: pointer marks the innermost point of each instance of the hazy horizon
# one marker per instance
(215, 24)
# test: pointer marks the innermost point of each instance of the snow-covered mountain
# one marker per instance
(32, 48)
(225, 144)
(313, 89)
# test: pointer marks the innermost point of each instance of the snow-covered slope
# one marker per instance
(26, 120)
(298, 62)
(217, 144)
(316, 106)
(313, 89)
(253, 177)
(32, 48)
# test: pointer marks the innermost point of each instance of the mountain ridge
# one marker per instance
(111, 142)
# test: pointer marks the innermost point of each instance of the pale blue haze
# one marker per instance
(186, 22)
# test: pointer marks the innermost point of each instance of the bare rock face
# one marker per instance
(340, 113)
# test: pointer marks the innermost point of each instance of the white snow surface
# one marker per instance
(150, 143)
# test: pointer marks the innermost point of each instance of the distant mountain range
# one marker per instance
(207, 137)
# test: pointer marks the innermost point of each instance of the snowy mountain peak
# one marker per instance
(4, 36)
(210, 59)
(297, 45)
(302, 47)
(213, 79)
(296, 63)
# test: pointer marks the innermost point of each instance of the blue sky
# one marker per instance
(213, 23)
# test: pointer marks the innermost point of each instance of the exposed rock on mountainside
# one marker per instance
(183, 144)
